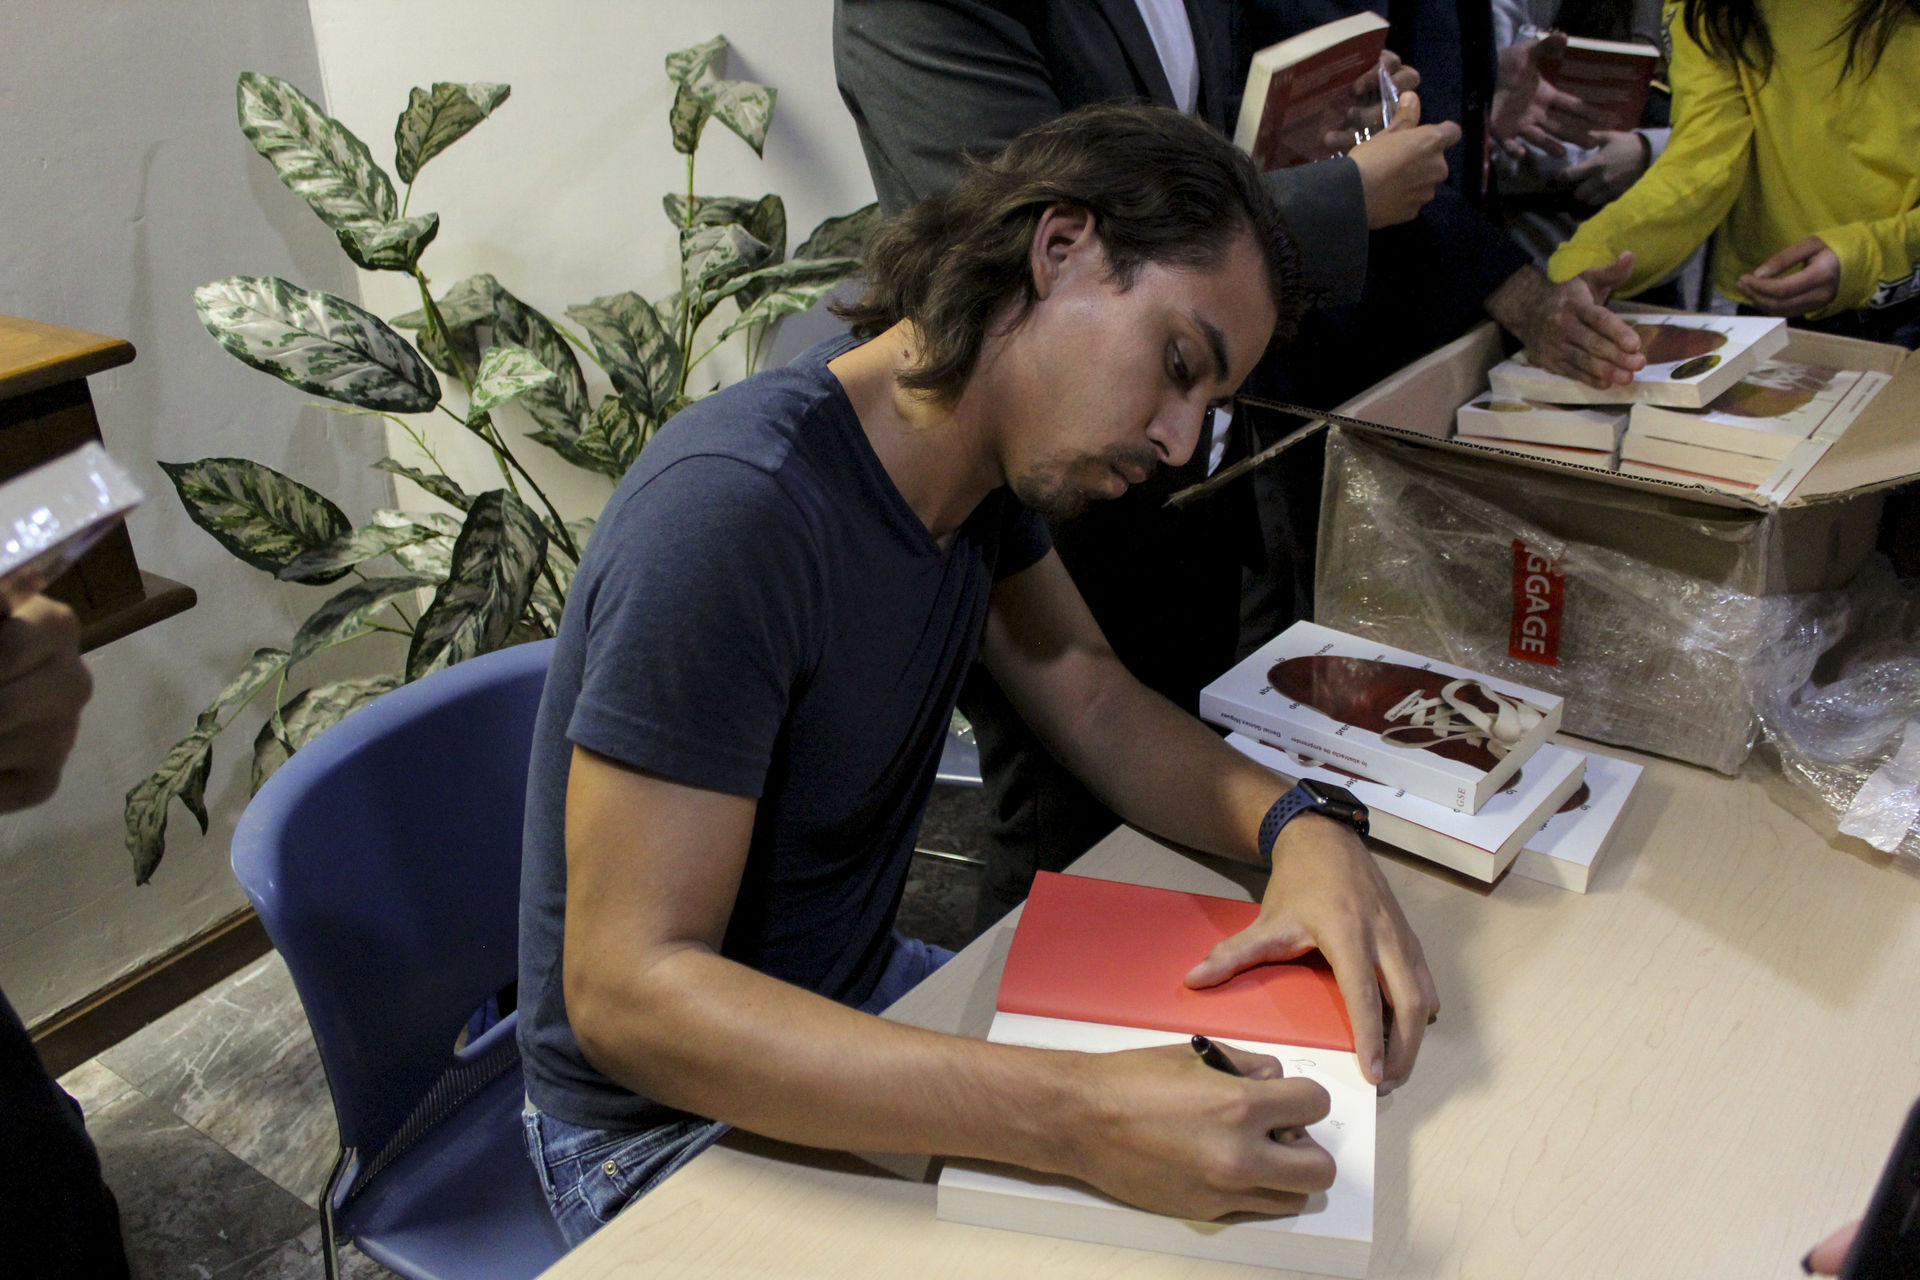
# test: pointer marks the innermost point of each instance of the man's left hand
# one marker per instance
(1326, 892)
(1777, 289)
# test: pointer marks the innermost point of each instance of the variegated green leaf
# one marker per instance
(640, 355)
(439, 522)
(842, 237)
(355, 547)
(263, 517)
(613, 438)
(560, 405)
(687, 65)
(466, 304)
(437, 118)
(389, 246)
(307, 715)
(795, 273)
(741, 105)
(437, 485)
(716, 257)
(782, 301)
(686, 119)
(318, 158)
(499, 553)
(183, 776)
(765, 219)
(506, 372)
(263, 666)
(349, 614)
(317, 342)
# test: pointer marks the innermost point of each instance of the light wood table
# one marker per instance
(1696, 1069)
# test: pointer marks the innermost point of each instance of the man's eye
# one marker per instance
(1177, 368)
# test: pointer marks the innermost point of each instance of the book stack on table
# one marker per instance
(1453, 765)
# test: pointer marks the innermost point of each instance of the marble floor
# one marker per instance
(214, 1127)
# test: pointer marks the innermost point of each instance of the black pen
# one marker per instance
(1214, 1056)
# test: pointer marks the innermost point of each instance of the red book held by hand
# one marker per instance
(1102, 951)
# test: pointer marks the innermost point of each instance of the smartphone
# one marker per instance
(1888, 1245)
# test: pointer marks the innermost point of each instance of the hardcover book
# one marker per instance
(1690, 360)
(1568, 849)
(1610, 76)
(50, 515)
(1481, 845)
(1434, 730)
(1097, 966)
(1298, 91)
(1569, 427)
(1765, 414)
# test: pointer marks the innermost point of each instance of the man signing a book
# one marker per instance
(754, 677)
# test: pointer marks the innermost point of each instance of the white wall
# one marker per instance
(558, 194)
(126, 184)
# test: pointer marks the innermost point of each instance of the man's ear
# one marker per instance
(1064, 241)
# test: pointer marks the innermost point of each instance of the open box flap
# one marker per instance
(1880, 449)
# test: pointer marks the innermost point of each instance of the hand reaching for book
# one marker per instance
(1801, 278)
(1325, 891)
(1170, 1134)
(1566, 327)
(1528, 108)
(43, 685)
(1400, 168)
(1616, 165)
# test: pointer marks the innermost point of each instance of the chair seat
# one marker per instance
(463, 1204)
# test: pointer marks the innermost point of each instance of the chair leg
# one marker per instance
(329, 1257)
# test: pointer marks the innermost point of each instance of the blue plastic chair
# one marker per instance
(384, 860)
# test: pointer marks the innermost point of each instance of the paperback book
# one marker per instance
(1610, 76)
(1690, 360)
(1437, 731)
(1481, 845)
(1764, 415)
(1697, 459)
(1603, 460)
(1569, 848)
(1298, 91)
(50, 515)
(1565, 426)
(1097, 966)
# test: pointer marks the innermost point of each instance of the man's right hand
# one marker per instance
(43, 685)
(1168, 1133)
(1566, 328)
(1528, 108)
(1400, 168)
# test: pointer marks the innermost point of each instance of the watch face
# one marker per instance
(1337, 803)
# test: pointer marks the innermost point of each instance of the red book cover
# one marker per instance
(1102, 951)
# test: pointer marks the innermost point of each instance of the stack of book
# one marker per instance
(1453, 765)
(1584, 436)
(1775, 421)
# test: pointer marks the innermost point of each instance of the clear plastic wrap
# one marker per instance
(1648, 657)
(50, 515)
(1837, 694)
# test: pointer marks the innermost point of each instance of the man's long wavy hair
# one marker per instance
(1736, 31)
(1162, 188)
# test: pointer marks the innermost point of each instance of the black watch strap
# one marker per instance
(1334, 802)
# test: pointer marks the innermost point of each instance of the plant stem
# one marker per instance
(586, 346)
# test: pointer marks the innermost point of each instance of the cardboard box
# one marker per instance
(1444, 733)
(1636, 599)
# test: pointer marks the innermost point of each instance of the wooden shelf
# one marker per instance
(161, 599)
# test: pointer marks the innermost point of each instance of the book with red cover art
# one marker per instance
(1103, 951)
(1299, 90)
(1112, 957)
(1610, 76)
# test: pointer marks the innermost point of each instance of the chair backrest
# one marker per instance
(384, 861)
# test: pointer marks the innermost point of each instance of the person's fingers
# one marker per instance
(1445, 133)
(1826, 1258)
(1604, 280)
(1540, 138)
(1409, 989)
(1353, 965)
(1258, 943)
(37, 632)
(1254, 1066)
(1792, 256)
(1407, 115)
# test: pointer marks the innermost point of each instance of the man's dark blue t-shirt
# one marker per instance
(760, 612)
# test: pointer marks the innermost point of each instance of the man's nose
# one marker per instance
(1178, 431)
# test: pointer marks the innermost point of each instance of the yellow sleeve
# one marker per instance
(1876, 256)
(1686, 193)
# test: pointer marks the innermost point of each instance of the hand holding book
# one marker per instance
(1401, 167)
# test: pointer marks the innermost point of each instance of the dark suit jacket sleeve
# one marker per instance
(930, 82)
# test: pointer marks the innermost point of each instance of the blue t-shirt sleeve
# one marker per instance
(1024, 539)
(695, 644)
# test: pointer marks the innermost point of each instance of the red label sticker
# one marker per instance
(1539, 595)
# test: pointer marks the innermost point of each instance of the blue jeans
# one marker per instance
(589, 1175)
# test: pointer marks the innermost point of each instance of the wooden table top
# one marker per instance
(1696, 1069)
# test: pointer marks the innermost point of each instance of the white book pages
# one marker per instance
(1567, 426)
(1568, 849)
(1481, 845)
(1765, 414)
(1690, 360)
(1334, 1236)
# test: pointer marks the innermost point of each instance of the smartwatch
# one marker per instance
(1323, 798)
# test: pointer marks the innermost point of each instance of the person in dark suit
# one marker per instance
(1182, 593)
